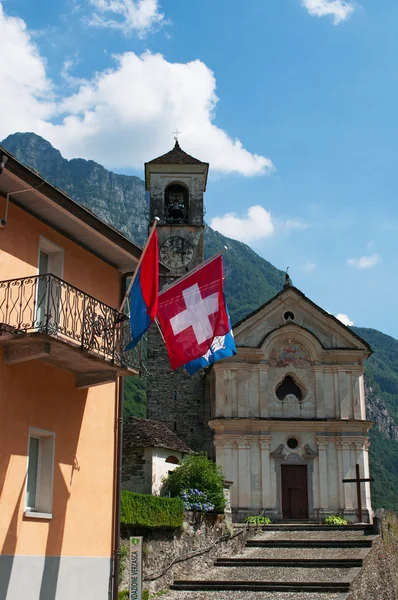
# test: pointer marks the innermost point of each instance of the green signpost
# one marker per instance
(136, 568)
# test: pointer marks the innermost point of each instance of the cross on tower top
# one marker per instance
(176, 134)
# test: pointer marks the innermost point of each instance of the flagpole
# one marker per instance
(139, 263)
(160, 331)
(167, 287)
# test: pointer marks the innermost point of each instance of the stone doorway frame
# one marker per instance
(294, 459)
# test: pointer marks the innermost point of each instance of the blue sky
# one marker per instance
(293, 103)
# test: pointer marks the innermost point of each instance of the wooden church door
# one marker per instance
(294, 492)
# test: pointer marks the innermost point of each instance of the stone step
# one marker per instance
(344, 563)
(257, 595)
(313, 534)
(300, 543)
(317, 527)
(260, 586)
(304, 553)
(278, 574)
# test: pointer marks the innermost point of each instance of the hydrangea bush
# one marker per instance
(198, 472)
(196, 500)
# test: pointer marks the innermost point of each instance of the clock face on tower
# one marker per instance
(176, 252)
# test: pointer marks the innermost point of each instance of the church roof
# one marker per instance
(288, 287)
(176, 156)
(143, 433)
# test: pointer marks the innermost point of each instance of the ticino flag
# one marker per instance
(143, 294)
(193, 312)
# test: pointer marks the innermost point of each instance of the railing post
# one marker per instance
(83, 322)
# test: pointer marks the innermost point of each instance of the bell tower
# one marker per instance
(176, 183)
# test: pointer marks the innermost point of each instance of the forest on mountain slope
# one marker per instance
(120, 201)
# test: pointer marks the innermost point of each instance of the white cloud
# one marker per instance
(256, 226)
(295, 224)
(122, 116)
(309, 266)
(365, 262)
(345, 319)
(26, 92)
(127, 15)
(338, 9)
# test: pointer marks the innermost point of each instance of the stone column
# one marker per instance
(244, 473)
(219, 447)
(340, 473)
(323, 475)
(357, 400)
(319, 387)
(229, 471)
(337, 393)
(345, 396)
(348, 473)
(361, 451)
(265, 444)
(263, 375)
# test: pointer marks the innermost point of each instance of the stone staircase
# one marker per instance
(298, 561)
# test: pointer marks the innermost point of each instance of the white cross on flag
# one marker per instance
(193, 312)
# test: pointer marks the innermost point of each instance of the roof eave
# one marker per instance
(65, 205)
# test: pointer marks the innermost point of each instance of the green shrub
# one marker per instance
(258, 520)
(200, 473)
(333, 520)
(124, 595)
(144, 510)
(145, 594)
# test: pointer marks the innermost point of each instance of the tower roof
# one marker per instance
(176, 156)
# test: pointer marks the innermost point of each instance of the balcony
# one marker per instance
(45, 318)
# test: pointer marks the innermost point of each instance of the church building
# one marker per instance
(288, 412)
(285, 418)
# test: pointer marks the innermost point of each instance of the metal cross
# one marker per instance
(176, 133)
(358, 481)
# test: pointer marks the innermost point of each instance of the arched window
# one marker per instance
(288, 387)
(176, 198)
(173, 460)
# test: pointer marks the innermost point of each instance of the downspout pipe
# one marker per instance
(118, 485)
(118, 468)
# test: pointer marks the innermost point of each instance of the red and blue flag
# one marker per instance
(143, 295)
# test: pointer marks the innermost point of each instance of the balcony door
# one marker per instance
(51, 262)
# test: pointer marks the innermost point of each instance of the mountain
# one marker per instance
(116, 199)
(120, 201)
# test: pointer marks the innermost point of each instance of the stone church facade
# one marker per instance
(285, 418)
(288, 412)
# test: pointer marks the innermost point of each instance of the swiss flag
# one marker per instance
(193, 312)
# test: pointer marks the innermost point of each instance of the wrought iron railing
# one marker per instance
(47, 304)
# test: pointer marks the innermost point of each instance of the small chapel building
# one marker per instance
(288, 412)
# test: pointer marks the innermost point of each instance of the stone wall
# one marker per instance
(177, 398)
(197, 534)
(378, 579)
(137, 470)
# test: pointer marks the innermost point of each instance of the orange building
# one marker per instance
(62, 358)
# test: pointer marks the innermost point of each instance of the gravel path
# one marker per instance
(291, 574)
